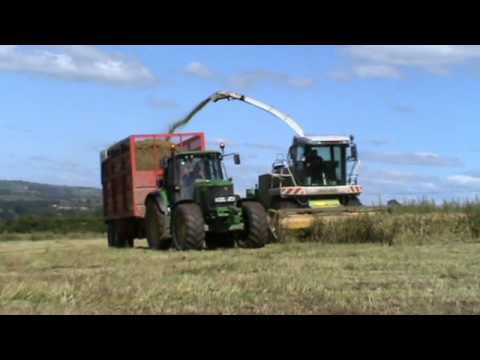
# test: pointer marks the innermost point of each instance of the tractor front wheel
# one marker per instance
(256, 226)
(188, 227)
(156, 227)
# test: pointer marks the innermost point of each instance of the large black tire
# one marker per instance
(354, 201)
(188, 227)
(156, 227)
(110, 234)
(256, 230)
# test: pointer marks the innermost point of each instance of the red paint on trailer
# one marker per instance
(124, 186)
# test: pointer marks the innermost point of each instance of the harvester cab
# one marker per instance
(320, 172)
(322, 161)
(318, 180)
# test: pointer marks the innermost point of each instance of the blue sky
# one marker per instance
(413, 109)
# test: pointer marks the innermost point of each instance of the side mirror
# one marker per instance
(354, 152)
(236, 159)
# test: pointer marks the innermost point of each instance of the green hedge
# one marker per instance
(53, 224)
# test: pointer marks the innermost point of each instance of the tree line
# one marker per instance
(58, 224)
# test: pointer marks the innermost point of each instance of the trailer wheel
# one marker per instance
(156, 228)
(188, 227)
(110, 234)
(256, 226)
(116, 237)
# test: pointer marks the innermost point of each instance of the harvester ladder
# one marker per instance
(282, 174)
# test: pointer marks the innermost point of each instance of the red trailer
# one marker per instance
(131, 169)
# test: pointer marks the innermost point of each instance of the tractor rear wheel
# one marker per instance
(188, 227)
(256, 226)
(156, 227)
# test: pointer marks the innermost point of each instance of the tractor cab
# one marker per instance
(188, 172)
(197, 168)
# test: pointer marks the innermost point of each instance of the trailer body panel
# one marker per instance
(132, 168)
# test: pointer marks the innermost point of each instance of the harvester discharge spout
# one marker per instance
(226, 95)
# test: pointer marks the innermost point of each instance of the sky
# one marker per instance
(412, 108)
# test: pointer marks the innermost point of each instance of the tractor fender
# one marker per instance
(159, 200)
(187, 201)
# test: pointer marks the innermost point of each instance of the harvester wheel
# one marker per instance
(156, 228)
(256, 226)
(353, 201)
(188, 227)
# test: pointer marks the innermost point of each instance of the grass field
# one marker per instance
(67, 276)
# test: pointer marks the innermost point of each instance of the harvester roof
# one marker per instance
(322, 140)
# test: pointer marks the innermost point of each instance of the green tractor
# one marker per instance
(195, 206)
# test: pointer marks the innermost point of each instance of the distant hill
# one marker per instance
(21, 198)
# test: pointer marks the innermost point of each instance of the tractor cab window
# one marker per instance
(193, 168)
(324, 166)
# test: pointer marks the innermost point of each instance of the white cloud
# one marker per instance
(465, 180)
(402, 178)
(376, 71)
(75, 62)
(199, 70)
(418, 159)
(250, 79)
(388, 61)
(341, 76)
(300, 82)
(6, 49)
(424, 56)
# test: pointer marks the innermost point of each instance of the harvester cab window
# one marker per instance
(324, 166)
